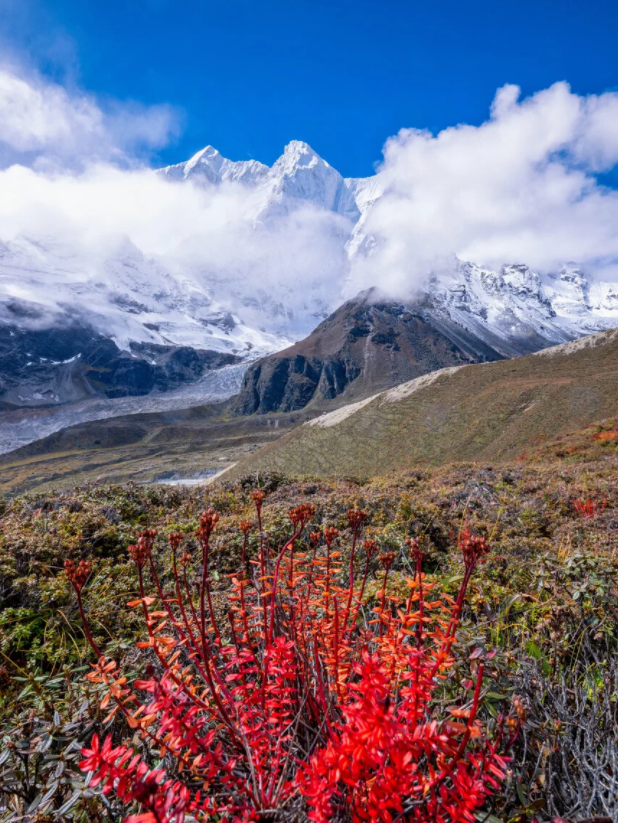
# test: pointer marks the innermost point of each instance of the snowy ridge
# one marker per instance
(298, 177)
(209, 166)
(125, 295)
(517, 312)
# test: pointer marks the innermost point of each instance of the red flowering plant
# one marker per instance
(588, 507)
(297, 697)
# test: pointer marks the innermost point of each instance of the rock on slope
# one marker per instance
(480, 411)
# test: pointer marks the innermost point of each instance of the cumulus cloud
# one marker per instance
(521, 187)
(104, 202)
(40, 120)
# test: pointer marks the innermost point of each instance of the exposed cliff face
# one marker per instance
(49, 367)
(367, 345)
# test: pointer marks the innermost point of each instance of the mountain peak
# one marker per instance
(210, 167)
(298, 146)
(300, 154)
(208, 155)
(207, 151)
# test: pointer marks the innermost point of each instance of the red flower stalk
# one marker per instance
(77, 575)
(142, 551)
(386, 560)
(474, 548)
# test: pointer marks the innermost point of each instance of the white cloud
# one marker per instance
(41, 119)
(521, 187)
(34, 118)
(204, 236)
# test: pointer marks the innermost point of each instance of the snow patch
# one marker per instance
(340, 415)
(178, 479)
(402, 391)
(589, 342)
(70, 360)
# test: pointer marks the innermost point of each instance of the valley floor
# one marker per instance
(140, 448)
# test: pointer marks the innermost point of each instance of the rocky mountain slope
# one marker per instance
(490, 411)
(54, 366)
(368, 344)
(372, 342)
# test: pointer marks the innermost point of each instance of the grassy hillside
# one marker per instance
(489, 412)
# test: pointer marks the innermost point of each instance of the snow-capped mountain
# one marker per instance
(299, 177)
(516, 311)
(121, 293)
(271, 261)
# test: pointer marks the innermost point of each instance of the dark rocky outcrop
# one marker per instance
(367, 345)
(59, 365)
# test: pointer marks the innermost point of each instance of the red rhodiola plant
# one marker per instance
(295, 693)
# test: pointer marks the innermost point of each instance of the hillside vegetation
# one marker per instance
(545, 599)
(489, 412)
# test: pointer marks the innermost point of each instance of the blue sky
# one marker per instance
(342, 75)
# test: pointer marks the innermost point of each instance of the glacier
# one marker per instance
(20, 427)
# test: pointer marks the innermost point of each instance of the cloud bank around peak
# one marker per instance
(524, 186)
(521, 187)
(76, 182)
